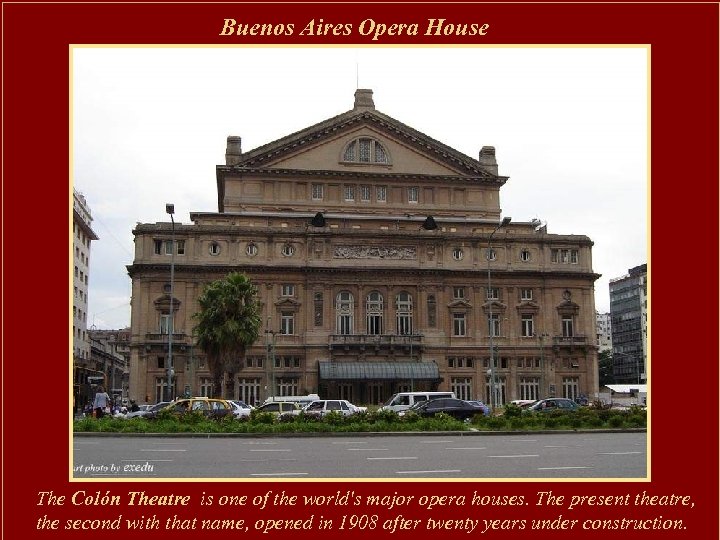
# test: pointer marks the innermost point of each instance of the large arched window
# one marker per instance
(374, 313)
(404, 313)
(365, 150)
(344, 304)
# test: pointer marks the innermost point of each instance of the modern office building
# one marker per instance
(383, 263)
(628, 312)
(604, 332)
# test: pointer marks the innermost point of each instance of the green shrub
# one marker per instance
(512, 411)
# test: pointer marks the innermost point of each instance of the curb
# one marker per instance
(350, 434)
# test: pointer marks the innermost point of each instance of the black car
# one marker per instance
(457, 408)
(553, 404)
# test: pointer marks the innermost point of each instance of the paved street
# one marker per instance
(572, 455)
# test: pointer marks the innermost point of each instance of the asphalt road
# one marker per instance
(451, 456)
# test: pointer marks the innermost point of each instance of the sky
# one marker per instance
(569, 125)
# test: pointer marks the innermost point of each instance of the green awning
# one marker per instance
(335, 371)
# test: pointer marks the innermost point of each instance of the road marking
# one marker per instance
(435, 442)
(366, 449)
(616, 453)
(163, 450)
(409, 457)
(560, 468)
(429, 472)
(469, 448)
(270, 450)
(258, 443)
(561, 446)
(350, 442)
(280, 474)
(517, 456)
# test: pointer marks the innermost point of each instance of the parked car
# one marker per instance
(523, 403)
(480, 405)
(209, 407)
(241, 409)
(457, 408)
(553, 404)
(280, 407)
(404, 400)
(147, 410)
(326, 406)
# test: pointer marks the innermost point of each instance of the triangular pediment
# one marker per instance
(321, 147)
(460, 304)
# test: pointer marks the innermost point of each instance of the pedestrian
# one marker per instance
(102, 400)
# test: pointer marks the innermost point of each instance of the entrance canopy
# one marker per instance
(335, 371)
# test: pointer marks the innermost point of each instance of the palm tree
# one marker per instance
(228, 322)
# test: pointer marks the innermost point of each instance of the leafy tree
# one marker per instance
(228, 322)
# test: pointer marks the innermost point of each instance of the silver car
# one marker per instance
(325, 406)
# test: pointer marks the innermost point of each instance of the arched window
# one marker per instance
(374, 313)
(365, 150)
(404, 313)
(344, 304)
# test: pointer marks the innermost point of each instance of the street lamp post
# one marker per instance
(170, 209)
(270, 359)
(491, 330)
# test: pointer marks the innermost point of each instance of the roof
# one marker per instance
(378, 370)
(363, 112)
(626, 388)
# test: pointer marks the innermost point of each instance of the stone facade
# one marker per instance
(368, 242)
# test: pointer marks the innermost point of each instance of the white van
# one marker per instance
(300, 400)
(404, 400)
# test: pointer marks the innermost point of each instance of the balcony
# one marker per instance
(163, 338)
(377, 342)
(571, 342)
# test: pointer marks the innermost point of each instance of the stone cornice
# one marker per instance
(139, 270)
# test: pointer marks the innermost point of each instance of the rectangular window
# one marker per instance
(165, 323)
(161, 362)
(161, 386)
(570, 388)
(181, 247)
(404, 324)
(345, 324)
(287, 323)
(381, 193)
(287, 289)
(567, 326)
(564, 256)
(365, 193)
(526, 294)
(374, 324)
(529, 388)
(168, 247)
(459, 324)
(413, 194)
(458, 293)
(493, 293)
(317, 192)
(249, 391)
(527, 327)
(349, 193)
(206, 386)
(494, 324)
(158, 247)
(462, 386)
(287, 387)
